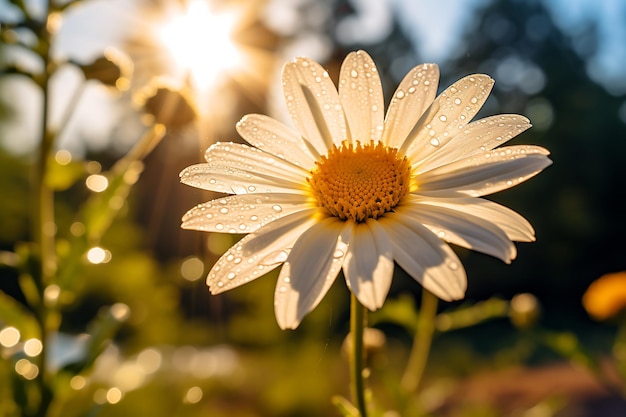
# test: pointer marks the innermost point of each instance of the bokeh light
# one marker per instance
(9, 337)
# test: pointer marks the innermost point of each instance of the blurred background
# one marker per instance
(183, 352)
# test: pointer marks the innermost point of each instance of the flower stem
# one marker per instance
(421, 343)
(357, 327)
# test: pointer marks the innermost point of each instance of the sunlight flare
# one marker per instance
(200, 42)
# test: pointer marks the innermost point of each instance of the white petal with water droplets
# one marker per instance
(411, 99)
(248, 158)
(479, 136)
(234, 181)
(514, 225)
(274, 137)
(258, 253)
(313, 103)
(243, 213)
(368, 266)
(451, 111)
(425, 257)
(484, 173)
(310, 270)
(464, 230)
(361, 95)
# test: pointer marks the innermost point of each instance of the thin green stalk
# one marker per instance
(422, 342)
(357, 327)
(44, 227)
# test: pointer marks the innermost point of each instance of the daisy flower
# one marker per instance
(352, 189)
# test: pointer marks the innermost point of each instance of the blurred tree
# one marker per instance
(576, 207)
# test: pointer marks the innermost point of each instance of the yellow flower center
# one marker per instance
(360, 182)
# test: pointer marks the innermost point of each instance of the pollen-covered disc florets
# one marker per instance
(360, 182)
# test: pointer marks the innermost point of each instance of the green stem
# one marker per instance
(44, 226)
(357, 327)
(421, 343)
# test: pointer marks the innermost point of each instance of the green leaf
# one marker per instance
(344, 406)
(60, 177)
(100, 332)
(13, 313)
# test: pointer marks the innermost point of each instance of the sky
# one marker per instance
(434, 26)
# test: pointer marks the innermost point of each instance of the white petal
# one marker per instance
(515, 226)
(361, 95)
(426, 258)
(248, 158)
(484, 173)
(313, 103)
(451, 111)
(274, 137)
(413, 96)
(479, 136)
(463, 229)
(368, 266)
(234, 181)
(310, 270)
(243, 213)
(238, 169)
(258, 253)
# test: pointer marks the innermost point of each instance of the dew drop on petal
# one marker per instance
(457, 101)
(400, 94)
(443, 118)
(354, 73)
(434, 142)
(231, 275)
(277, 208)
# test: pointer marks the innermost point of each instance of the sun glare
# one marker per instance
(200, 42)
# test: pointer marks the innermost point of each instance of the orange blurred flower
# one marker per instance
(606, 297)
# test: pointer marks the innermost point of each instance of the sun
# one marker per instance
(200, 42)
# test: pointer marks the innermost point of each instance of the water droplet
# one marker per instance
(441, 234)
(400, 94)
(354, 73)
(242, 226)
(457, 101)
(443, 118)
(282, 288)
(338, 253)
(219, 226)
(434, 142)
(237, 260)
(411, 90)
(251, 188)
(277, 208)
(453, 265)
(432, 132)
(254, 218)
(474, 100)
(286, 280)
(224, 210)
(231, 275)
(426, 82)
